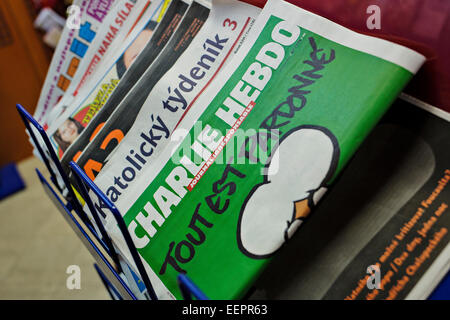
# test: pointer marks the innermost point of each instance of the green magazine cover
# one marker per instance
(256, 152)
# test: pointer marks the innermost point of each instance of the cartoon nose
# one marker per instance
(301, 209)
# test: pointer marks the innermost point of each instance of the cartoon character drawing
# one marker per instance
(295, 179)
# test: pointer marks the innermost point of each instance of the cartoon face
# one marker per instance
(136, 47)
(295, 180)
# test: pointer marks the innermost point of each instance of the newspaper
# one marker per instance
(116, 27)
(122, 116)
(71, 50)
(212, 49)
(123, 79)
(92, 97)
(257, 151)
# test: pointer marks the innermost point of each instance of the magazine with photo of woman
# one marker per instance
(123, 74)
(84, 106)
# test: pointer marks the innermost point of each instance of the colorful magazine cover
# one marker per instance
(116, 28)
(117, 122)
(126, 77)
(68, 126)
(258, 150)
(211, 51)
(72, 47)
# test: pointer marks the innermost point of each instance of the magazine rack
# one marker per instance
(109, 266)
(112, 270)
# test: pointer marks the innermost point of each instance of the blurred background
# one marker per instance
(36, 245)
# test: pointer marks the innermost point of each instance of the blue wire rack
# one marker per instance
(109, 265)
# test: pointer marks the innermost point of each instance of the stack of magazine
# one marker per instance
(264, 152)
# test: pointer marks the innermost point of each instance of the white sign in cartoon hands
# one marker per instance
(295, 180)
